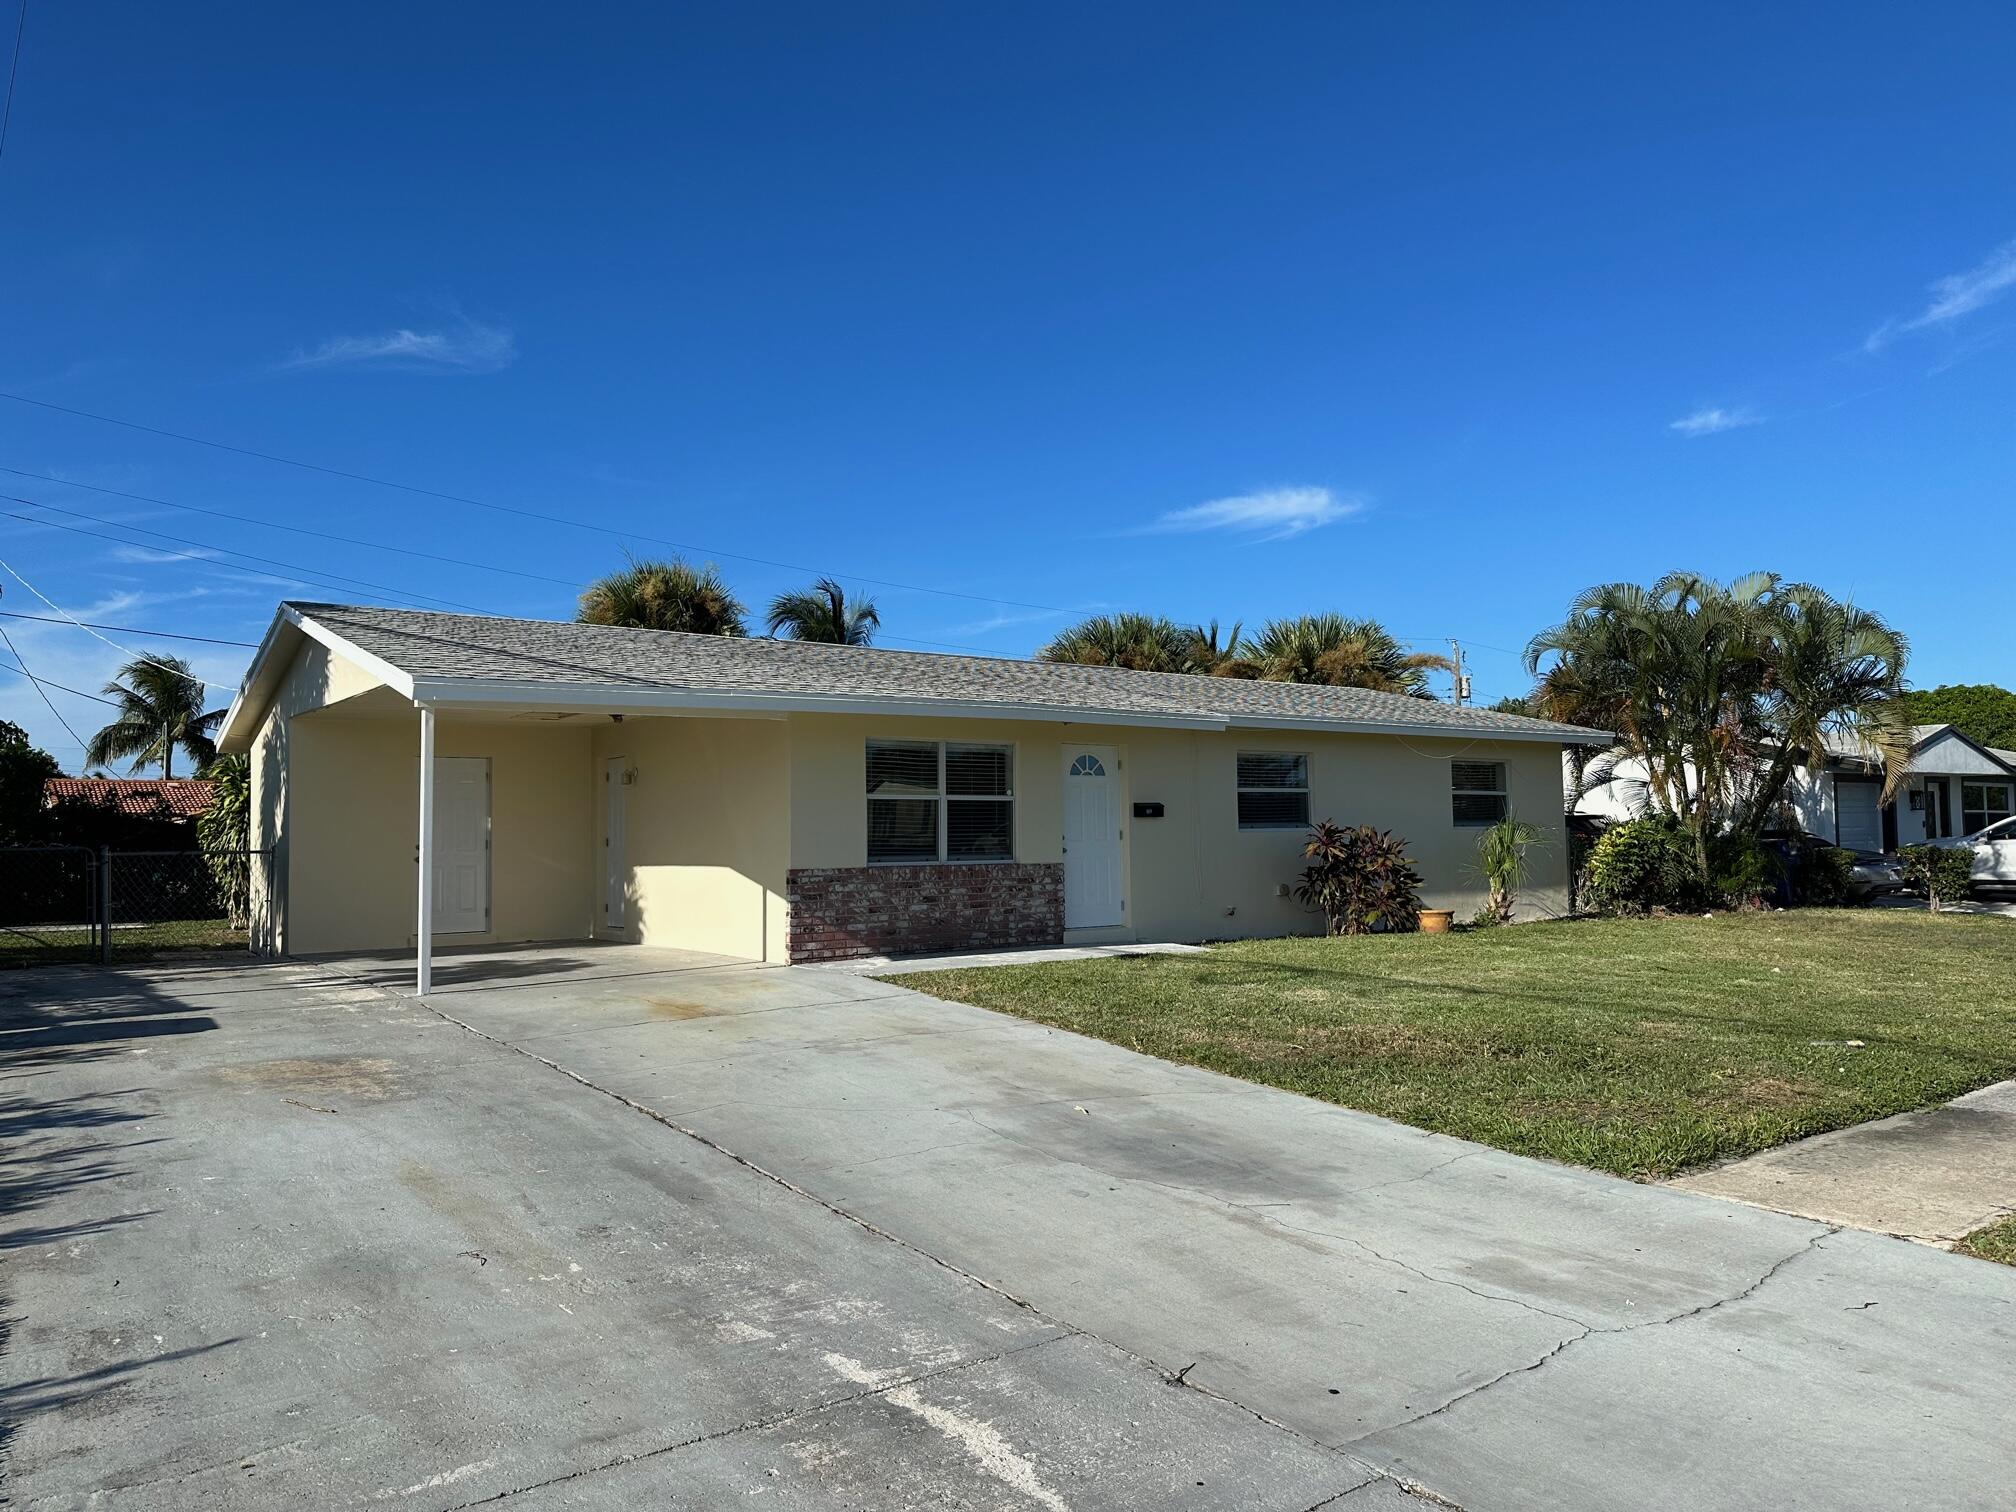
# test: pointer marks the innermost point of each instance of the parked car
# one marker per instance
(1994, 853)
(1875, 875)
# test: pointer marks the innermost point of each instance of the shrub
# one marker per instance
(1942, 870)
(225, 829)
(1640, 865)
(1501, 857)
(1822, 876)
(1745, 873)
(1361, 879)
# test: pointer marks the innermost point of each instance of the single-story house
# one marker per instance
(785, 801)
(179, 800)
(1953, 786)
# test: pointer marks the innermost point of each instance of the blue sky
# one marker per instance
(1435, 314)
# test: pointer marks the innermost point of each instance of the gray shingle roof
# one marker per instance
(560, 655)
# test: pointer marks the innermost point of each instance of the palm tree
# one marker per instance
(1719, 691)
(160, 710)
(1138, 642)
(668, 595)
(1343, 653)
(1214, 655)
(822, 613)
(1834, 670)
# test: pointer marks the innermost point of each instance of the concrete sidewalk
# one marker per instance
(1934, 1176)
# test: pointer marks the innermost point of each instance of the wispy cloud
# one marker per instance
(137, 554)
(1954, 296)
(1006, 619)
(1270, 515)
(1709, 421)
(469, 346)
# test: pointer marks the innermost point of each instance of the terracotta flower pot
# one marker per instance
(1436, 920)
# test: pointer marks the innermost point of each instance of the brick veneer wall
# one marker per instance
(843, 911)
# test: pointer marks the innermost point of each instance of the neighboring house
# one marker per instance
(1953, 786)
(785, 801)
(178, 800)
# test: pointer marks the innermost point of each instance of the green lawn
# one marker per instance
(1995, 1242)
(30, 944)
(1638, 1047)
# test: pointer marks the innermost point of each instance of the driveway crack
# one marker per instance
(1067, 1328)
(1813, 1242)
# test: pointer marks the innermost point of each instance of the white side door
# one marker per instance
(615, 858)
(461, 844)
(1095, 851)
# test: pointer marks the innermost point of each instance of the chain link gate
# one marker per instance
(49, 906)
(69, 903)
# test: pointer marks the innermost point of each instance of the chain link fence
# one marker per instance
(69, 903)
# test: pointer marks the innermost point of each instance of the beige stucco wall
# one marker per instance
(356, 798)
(1194, 874)
(707, 831)
(317, 679)
(336, 795)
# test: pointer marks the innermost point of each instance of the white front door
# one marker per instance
(1095, 857)
(615, 864)
(461, 844)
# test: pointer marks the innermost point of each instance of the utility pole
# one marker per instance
(1459, 693)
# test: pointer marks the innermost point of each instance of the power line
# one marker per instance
(327, 579)
(13, 74)
(60, 687)
(320, 535)
(529, 514)
(50, 619)
(9, 641)
(273, 562)
(72, 619)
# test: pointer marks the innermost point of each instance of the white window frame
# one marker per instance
(1241, 789)
(945, 800)
(1501, 791)
(1989, 813)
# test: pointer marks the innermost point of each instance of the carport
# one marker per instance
(586, 810)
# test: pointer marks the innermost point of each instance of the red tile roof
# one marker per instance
(172, 798)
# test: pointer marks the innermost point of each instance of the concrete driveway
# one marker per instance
(614, 1228)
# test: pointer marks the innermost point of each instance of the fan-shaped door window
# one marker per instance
(1088, 765)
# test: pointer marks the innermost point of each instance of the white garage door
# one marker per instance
(1860, 819)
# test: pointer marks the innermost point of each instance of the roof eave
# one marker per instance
(276, 653)
(486, 693)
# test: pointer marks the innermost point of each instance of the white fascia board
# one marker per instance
(398, 681)
(1421, 731)
(474, 693)
(239, 727)
(498, 694)
(269, 665)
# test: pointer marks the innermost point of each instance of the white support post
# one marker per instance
(424, 974)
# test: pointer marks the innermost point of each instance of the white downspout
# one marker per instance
(424, 965)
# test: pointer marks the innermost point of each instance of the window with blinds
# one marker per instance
(1477, 791)
(1273, 790)
(934, 801)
